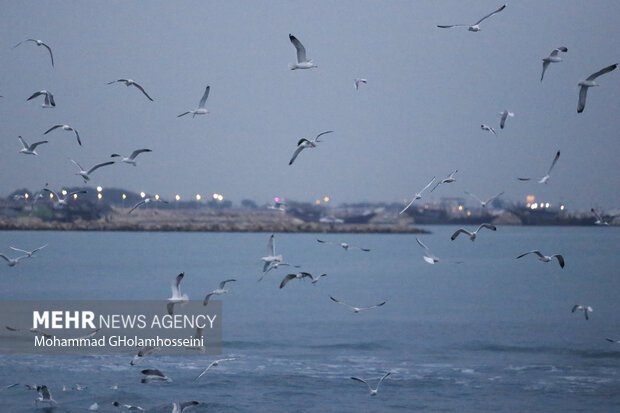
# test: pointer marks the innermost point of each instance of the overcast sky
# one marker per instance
(419, 116)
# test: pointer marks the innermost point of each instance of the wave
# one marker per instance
(554, 350)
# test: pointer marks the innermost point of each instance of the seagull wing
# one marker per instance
(49, 99)
(138, 152)
(77, 164)
(427, 185)
(52, 128)
(20, 250)
(297, 152)
(183, 114)
(143, 91)
(489, 15)
(271, 245)
(502, 121)
(187, 404)
(373, 306)
(362, 381)
(203, 101)
(596, 215)
(602, 71)
(77, 135)
(34, 145)
(487, 226)
(206, 300)
(340, 302)
(545, 66)
(407, 207)
(321, 134)
(493, 197)
(49, 49)
(287, 279)
(532, 252)
(35, 94)
(474, 196)
(92, 333)
(23, 141)
(452, 25)
(557, 156)
(460, 230)
(99, 165)
(560, 259)
(383, 378)
(301, 50)
(136, 206)
(223, 283)
(153, 372)
(583, 94)
(204, 371)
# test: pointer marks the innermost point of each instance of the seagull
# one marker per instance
(343, 245)
(219, 291)
(613, 341)
(30, 330)
(504, 115)
(146, 201)
(153, 375)
(128, 407)
(373, 392)
(431, 258)
(12, 262)
(65, 127)
(130, 82)
(44, 396)
(448, 180)
(357, 309)
(476, 26)
(545, 178)
(143, 352)
(49, 98)
(201, 106)
(85, 174)
(177, 297)
(304, 143)
(179, 407)
(213, 364)
(358, 81)
(599, 219)
(484, 203)
(552, 58)
(585, 309)
(63, 201)
(131, 159)
(273, 258)
(589, 82)
(29, 149)
(418, 195)
(545, 258)
(488, 128)
(29, 254)
(300, 275)
(275, 264)
(472, 235)
(38, 43)
(302, 61)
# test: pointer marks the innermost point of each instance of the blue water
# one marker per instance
(491, 334)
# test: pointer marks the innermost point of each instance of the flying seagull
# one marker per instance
(488, 128)
(65, 127)
(63, 201)
(613, 341)
(300, 275)
(85, 174)
(219, 291)
(177, 297)
(29, 254)
(545, 258)
(12, 262)
(145, 201)
(599, 218)
(343, 245)
(430, 257)
(585, 309)
(483, 204)
(34, 331)
(201, 106)
(552, 58)
(503, 116)
(213, 364)
(302, 61)
(49, 98)
(44, 396)
(448, 180)
(545, 178)
(304, 143)
(143, 352)
(130, 82)
(418, 195)
(272, 258)
(588, 83)
(128, 407)
(373, 392)
(357, 309)
(179, 407)
(29, 149)
(472, 235)
(131, 159)
(476, 26)
(358, 81)
(153, 375)
(38, 43)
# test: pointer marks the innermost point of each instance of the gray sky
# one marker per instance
(428, 91)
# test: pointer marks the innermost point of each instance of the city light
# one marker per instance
(142, 194)
(74, 196)
(99, 195)
(157, 197)
(326, 199)
(177, 197)
(26, 195)
(64, 192)
(468, 213)
(276, 199)
(198, 197)
(124, 196)
(547, 205)
(561, 207)
(99, 189)
(460, 207)
(318, 202)
(51, 195)
(534, 205)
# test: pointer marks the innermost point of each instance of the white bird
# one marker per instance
(588, 83)
(219, 291)
(38, 43)
(48, 102)
(131, 82)
(128, 407)
(131, 159)
(344, 245)
(358, 81)
(213, 364)
(29, 149)
(85, 173)
(179, 407)
(472, 235)
(177, 297)
(201, 106)
(153, 375)
(357, 309)
(143, 352)
(545, 178)
(272, 258)
(448, 180)
(418, 195)
(545, 258)
(276, 264)
(552, 58)
(599, 218)
(373, 392)
(29, 254)
(12, 262)
(302, 61)
(44, 396)
(484, 203)
(488, 128)
(34, 331)
(585, 309)
(503, 116)
(67, 128)
(144, 202)
(476, 26)
(300, 275)
(304, 143)
(60, 200)
(431, 258)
